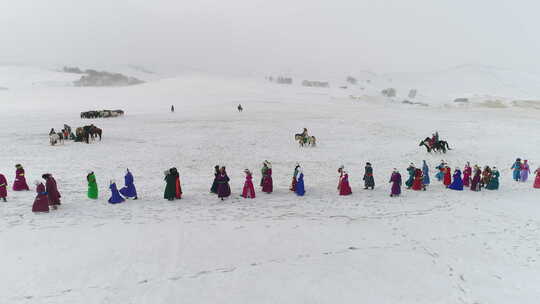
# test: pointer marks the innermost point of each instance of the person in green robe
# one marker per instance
(170, 187)
(493, 183)
(410, 181)
(92, 185)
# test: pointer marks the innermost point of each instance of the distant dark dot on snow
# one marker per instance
(353, 248)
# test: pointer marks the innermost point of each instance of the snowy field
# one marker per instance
(439, 246)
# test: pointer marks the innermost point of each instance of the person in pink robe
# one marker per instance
(467, 173)
(3, 187)
(52, 190)
(249, 189)
(41, 203)
(537, 179)
(20, 180)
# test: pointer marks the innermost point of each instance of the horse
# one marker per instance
(95, 132)
(440, 146)
(54, 139)
(305, 140)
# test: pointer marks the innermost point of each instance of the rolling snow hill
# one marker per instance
(438, 246)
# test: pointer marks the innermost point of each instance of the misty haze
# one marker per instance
(269, 151)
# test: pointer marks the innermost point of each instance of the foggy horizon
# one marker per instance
(278, 37)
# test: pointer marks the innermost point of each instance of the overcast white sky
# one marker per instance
(276, 35)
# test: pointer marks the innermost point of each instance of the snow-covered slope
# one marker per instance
(438, 246)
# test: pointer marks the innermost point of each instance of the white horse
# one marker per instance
(54, 139)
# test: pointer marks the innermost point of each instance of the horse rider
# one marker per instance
(52, 132)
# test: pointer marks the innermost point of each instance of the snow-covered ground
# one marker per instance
(438, 246)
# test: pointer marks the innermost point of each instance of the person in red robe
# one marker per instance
(52, 190)
(249, 189)
(3, 187)
(20, 180)
(418, 183)
(41, 203)
(294, 181)
(447, 176)
(266, 182)
(343, 186)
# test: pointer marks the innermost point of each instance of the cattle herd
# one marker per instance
(102, 114)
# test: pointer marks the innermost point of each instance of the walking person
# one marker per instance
(344, 187)
(92, 185)
(52, 190)
(223, 190)
(129, 190)
(249, 190)
(115, 198)
(20, 180)
(300, 190)
(425, 172)
(41, 202)
(266, 181)
(494, 180)
(213, 189)
(457, 184)
(517, 170)
(395, 180)
(525, 171)
(475, 182)
(3, 188)
(369, 181)
(467, 173)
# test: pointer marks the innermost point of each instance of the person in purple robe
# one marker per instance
(525, 171)
(3, 187)
(475, 182)
(115, 198)
(20, 180)
(129, 189)
(223, 189)
(395, 179)
(41, 203)
(52, 190)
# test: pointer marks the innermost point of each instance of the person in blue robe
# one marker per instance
(300, 190)
(425, 171)
(129, 189)
(457, 184)
(116, 198)
(517, 170)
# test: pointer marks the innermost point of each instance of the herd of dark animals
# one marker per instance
(102, 114)
(82, 134)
